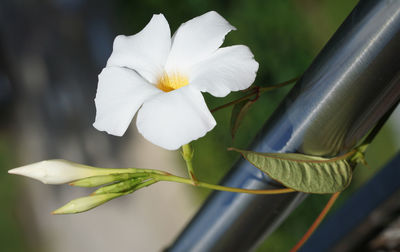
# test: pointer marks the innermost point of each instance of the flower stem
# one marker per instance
(255, 91)
(177, 179)
(187, 154)
(108, 171)
(316, 223)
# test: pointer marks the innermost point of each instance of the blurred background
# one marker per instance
(50, 55)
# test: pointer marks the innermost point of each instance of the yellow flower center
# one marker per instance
(171, 82)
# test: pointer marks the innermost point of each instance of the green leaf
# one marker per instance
(303, 173)
(238, 112)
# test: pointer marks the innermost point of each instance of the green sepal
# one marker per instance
(303, 173)
(106, 179)
(122, 186)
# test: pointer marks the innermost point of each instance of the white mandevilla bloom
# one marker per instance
(59, 171)
(165, 77)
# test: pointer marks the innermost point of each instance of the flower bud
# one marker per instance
(58, 171)
(86, 203)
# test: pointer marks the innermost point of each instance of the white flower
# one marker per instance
(165, 77)
(58, 171)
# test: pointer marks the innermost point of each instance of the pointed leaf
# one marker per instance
(303, 173)
(238, 112)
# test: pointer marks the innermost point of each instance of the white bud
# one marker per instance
(59, 171)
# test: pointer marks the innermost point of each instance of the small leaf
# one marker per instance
(238, 112)
(303, 173)
(86, 203)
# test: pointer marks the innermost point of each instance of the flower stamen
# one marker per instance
(171, 82)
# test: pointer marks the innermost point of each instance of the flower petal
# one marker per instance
(229, 69)
(173, 119)
(120, 93)
(146, 52)
(197, 39)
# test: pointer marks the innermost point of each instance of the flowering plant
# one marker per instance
(161, 79)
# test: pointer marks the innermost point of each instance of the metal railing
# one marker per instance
(363, 215)
(350, 85)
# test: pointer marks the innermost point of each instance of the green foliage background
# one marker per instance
(11, 235)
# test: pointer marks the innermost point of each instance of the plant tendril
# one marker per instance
(316, 223)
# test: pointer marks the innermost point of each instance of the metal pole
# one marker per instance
(355, 222)
(347, 89)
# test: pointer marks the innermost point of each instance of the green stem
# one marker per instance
(254, 91)
(187, 154)
(234, 102)
(108, 171)
(177, 179)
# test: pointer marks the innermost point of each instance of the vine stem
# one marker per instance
(173, 178)
(255, 91)
(316, 223)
